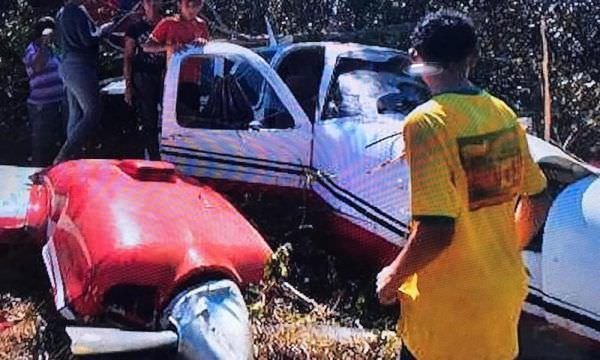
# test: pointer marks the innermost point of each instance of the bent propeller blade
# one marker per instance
(90, 340)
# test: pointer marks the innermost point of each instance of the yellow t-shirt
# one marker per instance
(469, 160)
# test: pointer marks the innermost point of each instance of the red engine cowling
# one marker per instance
(138, 223)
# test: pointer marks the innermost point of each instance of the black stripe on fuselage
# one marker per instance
(365, 203)
(356, 206)
(299, 166)
(361, 209)
(235, 162)
(562, 312)
(304, 169)
(563, 302)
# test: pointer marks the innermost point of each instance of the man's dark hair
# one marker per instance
(445, 36)
(46, 22)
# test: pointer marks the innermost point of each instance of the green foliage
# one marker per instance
(510, 50)
(511, 54)
(278, 266)
(15, 22)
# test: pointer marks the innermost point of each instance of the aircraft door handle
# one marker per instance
(177, 136)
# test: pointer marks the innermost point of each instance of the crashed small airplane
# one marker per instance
(325, 117)
(137, 244)
(123, 243)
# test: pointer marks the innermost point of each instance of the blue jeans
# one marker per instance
(80, 77)
(47, 131)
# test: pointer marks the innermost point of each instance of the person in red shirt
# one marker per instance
(175, 33)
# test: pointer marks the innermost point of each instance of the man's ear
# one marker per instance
(470, 63)
(472, 58)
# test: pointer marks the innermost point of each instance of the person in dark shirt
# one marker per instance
(45, 104)
(79, 39)
(143, 74)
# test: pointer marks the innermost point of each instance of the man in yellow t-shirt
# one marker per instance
(460, 278)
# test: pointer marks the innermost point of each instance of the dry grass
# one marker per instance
(33, 328)
(296, 341)
(21, 323)
(288, 324)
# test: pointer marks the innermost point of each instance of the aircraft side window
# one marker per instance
(226, 94)
(302, 71)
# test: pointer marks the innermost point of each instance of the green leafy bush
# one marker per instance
(509, 66)
(15, 21)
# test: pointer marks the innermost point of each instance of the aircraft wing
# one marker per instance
(15, 192)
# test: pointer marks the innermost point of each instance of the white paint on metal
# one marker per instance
(14, 191)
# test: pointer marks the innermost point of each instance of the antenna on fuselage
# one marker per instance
(271, 33)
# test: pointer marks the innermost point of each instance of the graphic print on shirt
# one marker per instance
(493, 166)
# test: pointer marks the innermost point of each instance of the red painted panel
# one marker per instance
(342, 234)
(115, 229)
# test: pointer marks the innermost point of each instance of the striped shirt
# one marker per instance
(46, 86)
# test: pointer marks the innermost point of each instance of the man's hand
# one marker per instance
(429, 236)
(128, 95)
(46, 40)
(200, 41)
(387, 286)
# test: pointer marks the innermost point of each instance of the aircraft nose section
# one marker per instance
(211, 321)
(208, 321)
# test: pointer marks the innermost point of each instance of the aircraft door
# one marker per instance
(358, 143)
(228, 116)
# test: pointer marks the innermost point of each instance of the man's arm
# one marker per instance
(127, 65)
(429, 237)
(158, 39)
(153, 46)
(433, 202)
(530, 215)
(82, 27)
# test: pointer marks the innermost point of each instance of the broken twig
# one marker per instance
(546, 84)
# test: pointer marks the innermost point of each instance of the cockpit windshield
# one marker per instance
(368, 88)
